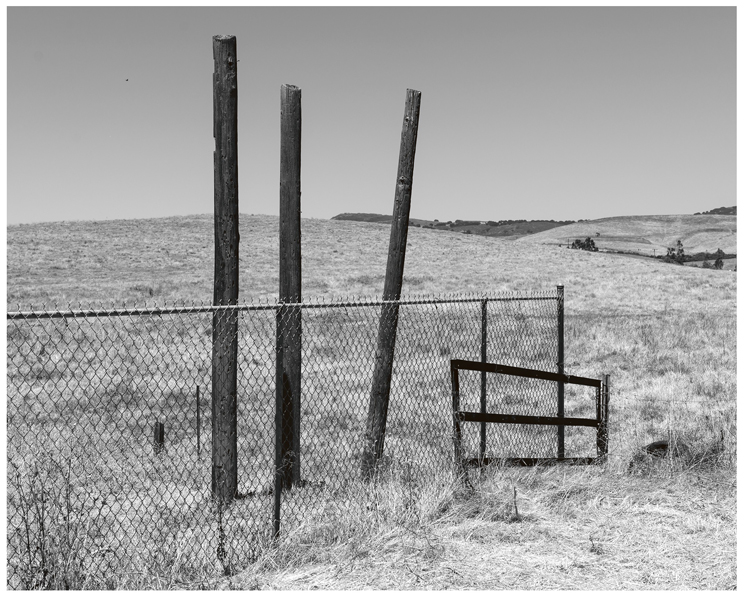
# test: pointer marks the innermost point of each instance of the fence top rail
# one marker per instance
(469, 365)
(80, 312)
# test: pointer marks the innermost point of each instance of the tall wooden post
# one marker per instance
(395, 267)
(226, 282)
(288, 374)
(561, 370)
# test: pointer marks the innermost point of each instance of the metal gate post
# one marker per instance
(561, 370)
(605, 413)
(483, 381)
(601, 428)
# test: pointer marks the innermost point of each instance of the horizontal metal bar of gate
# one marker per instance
(476, 417)
(471, 365)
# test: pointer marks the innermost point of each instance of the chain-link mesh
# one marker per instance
(92, 494)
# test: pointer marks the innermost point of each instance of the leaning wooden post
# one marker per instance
(288, 383)
(395, 267)
(226, 282)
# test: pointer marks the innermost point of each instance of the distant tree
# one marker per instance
(680, 252)
(707, 265)
(719, 264)
(676, 254)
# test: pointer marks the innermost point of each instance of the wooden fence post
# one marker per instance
(288, 382)
(226, 282)
(158, 437)
(395, 266)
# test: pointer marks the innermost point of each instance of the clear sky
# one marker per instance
(526, 113)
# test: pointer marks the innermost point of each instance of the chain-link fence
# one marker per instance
(95, 501)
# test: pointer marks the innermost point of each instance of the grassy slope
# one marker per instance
(665, 334)
(699, 233)
(124, 261)
(512, 230)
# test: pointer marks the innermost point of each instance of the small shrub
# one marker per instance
(55, 535)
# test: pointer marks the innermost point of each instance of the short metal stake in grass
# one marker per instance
(198, 420)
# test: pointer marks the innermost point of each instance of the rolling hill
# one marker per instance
(649, 235)
(506, 229)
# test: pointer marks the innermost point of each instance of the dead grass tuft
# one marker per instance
(579, 528)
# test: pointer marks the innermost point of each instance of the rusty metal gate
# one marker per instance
(517, 395)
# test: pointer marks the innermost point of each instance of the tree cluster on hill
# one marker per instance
(587, 244)
(676, 254)
(724, 210)
(719, 264)
(515, 221)
(708, 256)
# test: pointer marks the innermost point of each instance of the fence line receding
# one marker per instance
(108, 410)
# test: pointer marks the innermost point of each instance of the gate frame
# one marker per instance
(459, 416)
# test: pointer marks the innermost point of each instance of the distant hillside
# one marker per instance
(724, 210)
(364, 217)
(650, 234)
(508, 229)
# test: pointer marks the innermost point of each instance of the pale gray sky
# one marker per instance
(526, 113)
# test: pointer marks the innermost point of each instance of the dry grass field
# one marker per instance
(649, 234)
(665, 334)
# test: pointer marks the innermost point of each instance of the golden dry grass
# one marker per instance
(665, 334)
(569, 529)
(649, 234)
